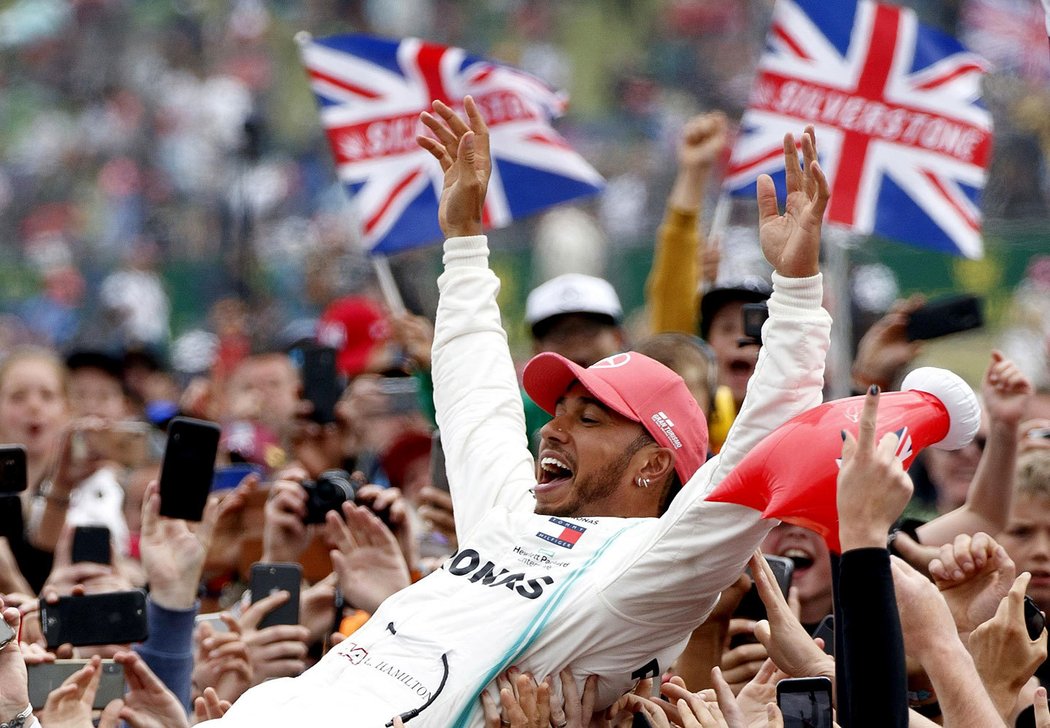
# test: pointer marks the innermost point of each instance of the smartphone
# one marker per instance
(402, 394)
(229, 477)
(1034, 619)
(125, 442)
(755, 314)
(46, 677)
(826, 631)
(321, 385)
(188, 468)
(751, 606)
(12, 469)
(805, 702)
(214, 620)
(945, 316)
(113, 618)
(269, 578)
(92, 543)
(438, 474)
(6, 633)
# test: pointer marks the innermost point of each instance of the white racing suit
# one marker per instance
(612, 597)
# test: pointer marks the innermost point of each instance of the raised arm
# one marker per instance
(698, 548)
(1006, 393)
(476, 394)
(674, 281)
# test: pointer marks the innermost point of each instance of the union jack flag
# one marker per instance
(1011, 34)
(904, 138)
(371, 92)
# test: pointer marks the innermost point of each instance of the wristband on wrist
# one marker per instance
(19, 720)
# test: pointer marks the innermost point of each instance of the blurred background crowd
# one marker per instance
(163, 169)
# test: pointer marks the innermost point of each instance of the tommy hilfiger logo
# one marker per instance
(566, 538)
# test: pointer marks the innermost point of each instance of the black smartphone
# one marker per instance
(755, 314)
(12, 469)
(46, 677)
(91, 543)
(945, 316)
(188, 468)
(805, 702)
(751, 606)
(113, 618)
(826, 631)
(438, 474)
(1034, 619)
(269, 578)
(321, 385)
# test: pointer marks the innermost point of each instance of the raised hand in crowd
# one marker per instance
(742, 663)
(275, 651)
(523, 703)
(701, 144)
(576, 708)
(317, 608)
(368, 560)
(1005, 656)
(391, 501)
(285, 536)
(172, 553)
(209, 706)
(462, 150)
(436, 510)
(1006, 393)
(70, 705)
(11, 579)
(930, 637)
(973, 574)
(415, 334)
(792, 650)
(873, 488)
(885, 350)
(791, 242)
(14, 689)
(147, 703)
(222, 661)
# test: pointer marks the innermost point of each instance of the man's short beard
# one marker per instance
(598, 486)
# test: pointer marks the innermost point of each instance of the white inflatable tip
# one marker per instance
(964, 411)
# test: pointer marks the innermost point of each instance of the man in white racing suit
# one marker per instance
(565, 562)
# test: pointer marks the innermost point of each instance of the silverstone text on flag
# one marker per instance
(371, 92)
(905, 140)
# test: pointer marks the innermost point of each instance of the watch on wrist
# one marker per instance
(19, 720)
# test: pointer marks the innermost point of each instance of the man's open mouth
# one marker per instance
(553, 469)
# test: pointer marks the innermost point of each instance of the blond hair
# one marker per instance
(1033, 474)
(31, 352)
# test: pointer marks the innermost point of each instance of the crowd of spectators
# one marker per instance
(177, 145)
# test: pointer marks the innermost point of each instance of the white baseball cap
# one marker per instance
(572, 293)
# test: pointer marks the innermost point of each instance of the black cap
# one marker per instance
(750, 290)
(94, 359)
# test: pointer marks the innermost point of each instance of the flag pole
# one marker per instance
(387, 285)
(840, 358)
(720, 218)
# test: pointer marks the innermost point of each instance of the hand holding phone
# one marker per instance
(321, 381)
(805, 702)
(95, 619)
(269, 578)
(945, 316)
(46, 677)
(13, 478)
(92, 543)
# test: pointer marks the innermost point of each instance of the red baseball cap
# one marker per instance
(635, 386)
(354, 326)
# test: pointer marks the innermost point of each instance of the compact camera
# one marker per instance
(328, 493)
